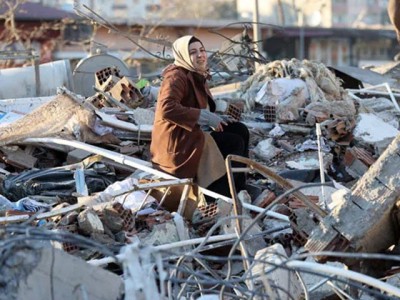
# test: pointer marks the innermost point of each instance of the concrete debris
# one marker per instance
(372, 130)
(287, 95)
(317, 288)
(266, 150)
(369, 205)
(58, 275)
(277, 131)
(62, 117)
(281, 283)
(322, 85)
(307, 161)
(18, 158)
(89, 222)
(318, 112)
(160, 234)
(357, 161)
(170, 238)
(143, 116)
(253, 245)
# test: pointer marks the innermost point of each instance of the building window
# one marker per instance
(153, 8)
(77, 31)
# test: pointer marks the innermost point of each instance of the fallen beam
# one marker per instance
(142, 165)
(363, 220)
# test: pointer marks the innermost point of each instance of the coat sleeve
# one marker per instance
(171, 100)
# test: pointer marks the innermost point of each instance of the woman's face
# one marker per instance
(198, 56)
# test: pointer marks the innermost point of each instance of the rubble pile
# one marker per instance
(76, 175)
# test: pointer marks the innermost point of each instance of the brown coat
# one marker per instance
(393, 9)
(177, 140)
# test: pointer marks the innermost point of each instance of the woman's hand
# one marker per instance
(212, 120)
(220, 127)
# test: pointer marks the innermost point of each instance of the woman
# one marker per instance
(181, 144)
(393, 9)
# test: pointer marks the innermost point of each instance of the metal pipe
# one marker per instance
(330, 270)
(301, 33)
(385, 85)
(256, 34)
(280, 181)
(321, 164)
(144, 166)
(120, 257)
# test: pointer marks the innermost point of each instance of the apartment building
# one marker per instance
(335, 32)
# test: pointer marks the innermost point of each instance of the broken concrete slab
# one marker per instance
(372, 130)
(143, 116)
(7, 118)
(230, 90)
(308, 160)
(60, 117)
(77, 155)
(363, 75)
(266, 150)
(369, 205)
(58, 275)
(160, 234)
(389, 70)
(286, 95)
(18, 107)
(17, 157)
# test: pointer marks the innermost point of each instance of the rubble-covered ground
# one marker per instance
(319, 218)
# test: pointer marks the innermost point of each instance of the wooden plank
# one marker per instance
(364, 218)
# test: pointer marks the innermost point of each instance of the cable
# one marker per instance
(257, 218)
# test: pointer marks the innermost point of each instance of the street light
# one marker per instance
(256, 34)
(301, 33)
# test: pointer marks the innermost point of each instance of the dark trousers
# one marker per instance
(233, 140)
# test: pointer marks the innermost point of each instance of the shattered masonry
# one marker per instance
(78, 192)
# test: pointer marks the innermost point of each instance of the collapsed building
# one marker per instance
(78, 191)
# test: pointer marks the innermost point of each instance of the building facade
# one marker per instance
(330, 31)
(114, 10)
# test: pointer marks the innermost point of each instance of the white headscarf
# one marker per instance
(180, 49)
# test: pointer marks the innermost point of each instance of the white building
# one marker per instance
(317, 13)
(113, 10)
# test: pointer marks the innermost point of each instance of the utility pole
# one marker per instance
(256, 33)
(301, 33)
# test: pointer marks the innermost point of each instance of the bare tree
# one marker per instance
(11, 33)
(17, 36)
(206, 9)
